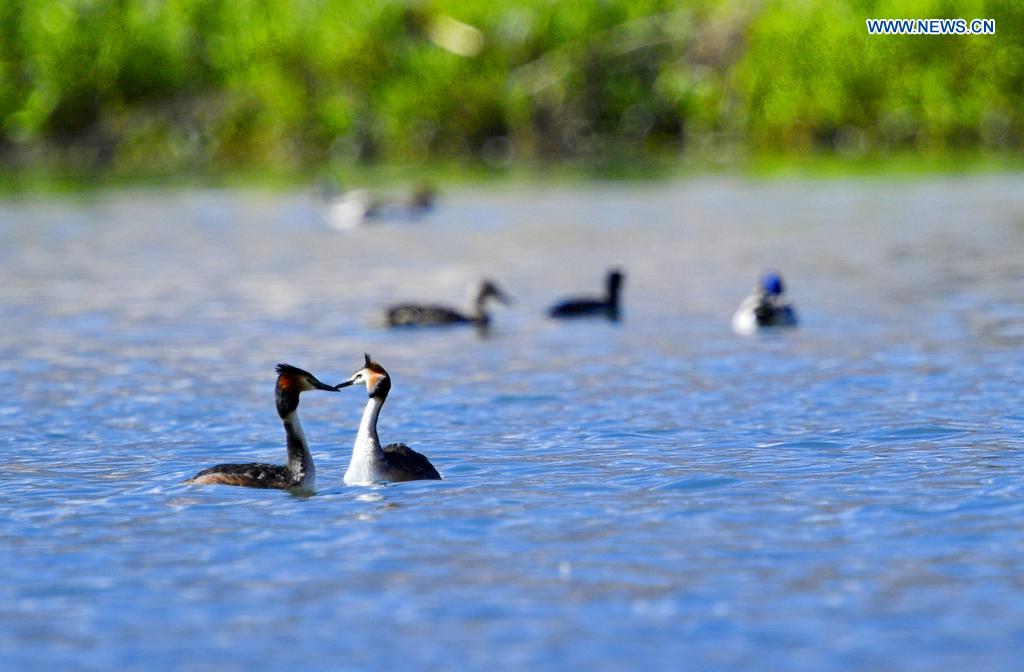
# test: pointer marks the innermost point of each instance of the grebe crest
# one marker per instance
(373, 375)
(371, 462)
(291, 382)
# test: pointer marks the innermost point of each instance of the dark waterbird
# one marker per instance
(608, 307)
(299, 472)
(370, 462)
(434, 315)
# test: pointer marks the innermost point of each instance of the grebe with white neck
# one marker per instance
(300, 472)
(767, 307)
(372, 463)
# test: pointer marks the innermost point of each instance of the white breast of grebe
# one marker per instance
(366, 466)
(362, 472)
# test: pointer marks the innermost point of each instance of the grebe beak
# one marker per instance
(320, 386)
(341, 385)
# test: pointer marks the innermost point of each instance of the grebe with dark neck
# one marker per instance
(299, 472)
(767, 307)
(372, 463)
(608, 306)
(434, 315)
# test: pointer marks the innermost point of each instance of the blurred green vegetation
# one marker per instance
(159, 86)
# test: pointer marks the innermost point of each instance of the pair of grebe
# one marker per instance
(370, 461)
(434, 315)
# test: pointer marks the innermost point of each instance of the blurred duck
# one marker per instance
(766, 307)
(350, 209)
(422, 199)
(432, 315)
(370, 462)
(299, 472)
(355, 207)
(608, 306)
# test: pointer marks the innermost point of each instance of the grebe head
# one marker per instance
(373, 375)
(771, 284)
(291, 382)
(489, 289)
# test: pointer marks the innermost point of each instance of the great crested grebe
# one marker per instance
(370, 462)
(766, 307)
(608, 307)
(420, 315)
(300, 472)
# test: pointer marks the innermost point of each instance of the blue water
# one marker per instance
(654, 494)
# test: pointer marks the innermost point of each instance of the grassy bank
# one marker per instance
(454, 175)
(213, 86)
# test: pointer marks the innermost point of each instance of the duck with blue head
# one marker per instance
(300, 472)
(372, 463)
(609, 306)
(768, 307)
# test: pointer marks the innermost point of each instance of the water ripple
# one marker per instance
(847, 496)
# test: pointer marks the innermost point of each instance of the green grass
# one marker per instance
(457, 175)
(213, 87)
(208, 88)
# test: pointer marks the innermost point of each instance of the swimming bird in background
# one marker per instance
(608, 307)
(370, 462)
(422, 199)
(433, 315)
(766, 307)
(356, 207)
(299, 472)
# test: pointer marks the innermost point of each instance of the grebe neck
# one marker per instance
(366, 450)
(300, 461)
